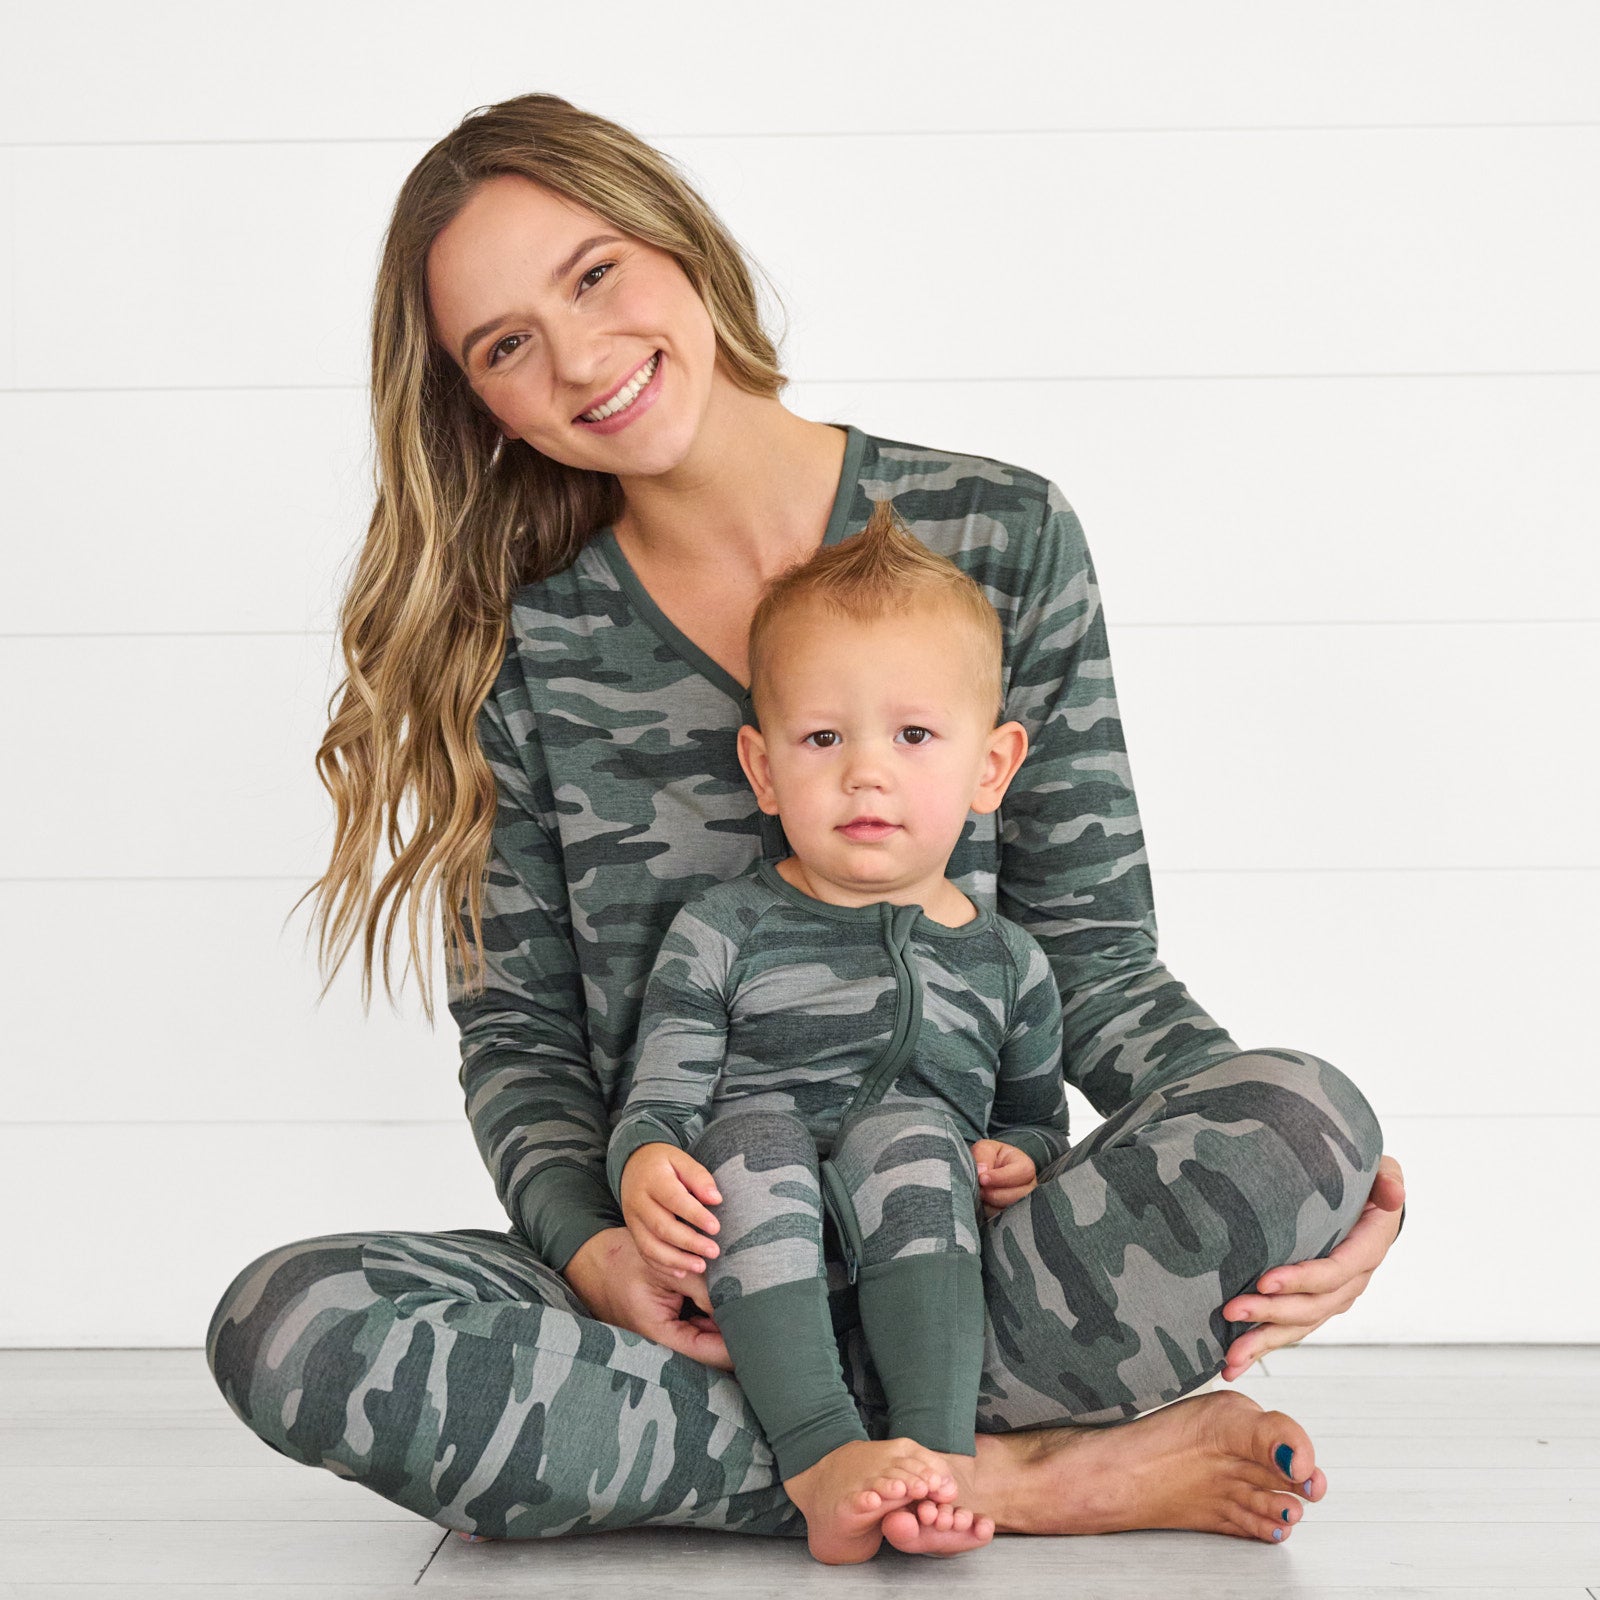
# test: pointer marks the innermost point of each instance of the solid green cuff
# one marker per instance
(561, 1208)
(923, 1321)
(786, 1361)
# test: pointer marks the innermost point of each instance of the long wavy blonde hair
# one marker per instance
(464, 516)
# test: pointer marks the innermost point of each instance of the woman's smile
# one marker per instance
(630, 397)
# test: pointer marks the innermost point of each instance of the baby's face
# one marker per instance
(876, 743)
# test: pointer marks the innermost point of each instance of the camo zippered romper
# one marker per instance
(839, 1061)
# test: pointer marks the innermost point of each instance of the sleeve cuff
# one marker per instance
(561, 1209)
(1031, 1142)
(632, 1135)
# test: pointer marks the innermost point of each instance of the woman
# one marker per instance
(578, 429)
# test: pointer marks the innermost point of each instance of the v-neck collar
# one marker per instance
(673, 636)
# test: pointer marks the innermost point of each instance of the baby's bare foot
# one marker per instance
(845, 1496)
(930, 1529)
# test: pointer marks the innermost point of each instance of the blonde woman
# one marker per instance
(585, 477)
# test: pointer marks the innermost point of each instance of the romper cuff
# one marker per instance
(631, 1134)
(1031, 1142)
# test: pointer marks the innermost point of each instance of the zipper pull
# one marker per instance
(850, 1266)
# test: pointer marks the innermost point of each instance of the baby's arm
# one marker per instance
(683, 1039)
(1028, 1123)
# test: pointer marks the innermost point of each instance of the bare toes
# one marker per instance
(1276, 1510)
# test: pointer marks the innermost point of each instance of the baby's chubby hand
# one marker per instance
(664, 1194)
(1005, 1174)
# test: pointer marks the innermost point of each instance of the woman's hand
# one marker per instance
(620, 1287)
(1302, 1296)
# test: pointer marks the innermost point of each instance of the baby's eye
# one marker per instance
(821, 733)
(925, 735)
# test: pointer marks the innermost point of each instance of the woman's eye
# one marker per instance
(494, 353)
(497, 350)
(925, 733)
(821, 733)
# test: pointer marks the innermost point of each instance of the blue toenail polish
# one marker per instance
(1306, 1486)
(1277, 1533)
(1284, 1513)
(1283, 1455)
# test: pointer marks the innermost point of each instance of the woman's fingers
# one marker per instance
(1306, 1310)
(1322, 1276)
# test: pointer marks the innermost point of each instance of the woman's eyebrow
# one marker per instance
(555, 277)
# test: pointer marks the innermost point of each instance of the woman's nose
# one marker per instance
(579, 362)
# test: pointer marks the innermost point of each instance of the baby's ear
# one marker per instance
(752, 748)
(1008, 747)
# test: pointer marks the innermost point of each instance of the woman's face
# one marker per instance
(553, 312)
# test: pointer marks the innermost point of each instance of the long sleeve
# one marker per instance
(537, 1111)
(683, 1041)
(1030, 1099)
(1073, 870)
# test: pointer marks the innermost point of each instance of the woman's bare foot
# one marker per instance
(1205, 1463)
(845, 1495)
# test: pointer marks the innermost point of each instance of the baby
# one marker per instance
(840, 1057)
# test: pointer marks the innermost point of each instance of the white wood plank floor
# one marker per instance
(1455, 1471)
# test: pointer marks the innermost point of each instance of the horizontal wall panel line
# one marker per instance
(1158, 131)
(1117, 627)
(1165, 872)
(945, 382)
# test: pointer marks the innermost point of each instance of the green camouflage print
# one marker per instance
(901, 1193)
(765, 998)
(613, 742)
(456, 1373)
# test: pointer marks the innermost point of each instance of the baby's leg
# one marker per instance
(905, 1194)
(769, 1294)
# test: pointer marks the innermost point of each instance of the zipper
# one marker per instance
(844, 1215)
(897, 923)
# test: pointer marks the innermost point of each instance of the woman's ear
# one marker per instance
(1008, 745)
(753, 758)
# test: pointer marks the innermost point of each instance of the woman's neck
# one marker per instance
(753, 493)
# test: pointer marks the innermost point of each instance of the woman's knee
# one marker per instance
(1322, 1119)
(263, 1311)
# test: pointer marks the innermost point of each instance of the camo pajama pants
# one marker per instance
(455, 1374)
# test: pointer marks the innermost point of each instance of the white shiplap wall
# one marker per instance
(1297, 307)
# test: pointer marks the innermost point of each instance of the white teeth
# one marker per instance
(626, 395)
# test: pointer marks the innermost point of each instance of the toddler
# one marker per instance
(840, 1056)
